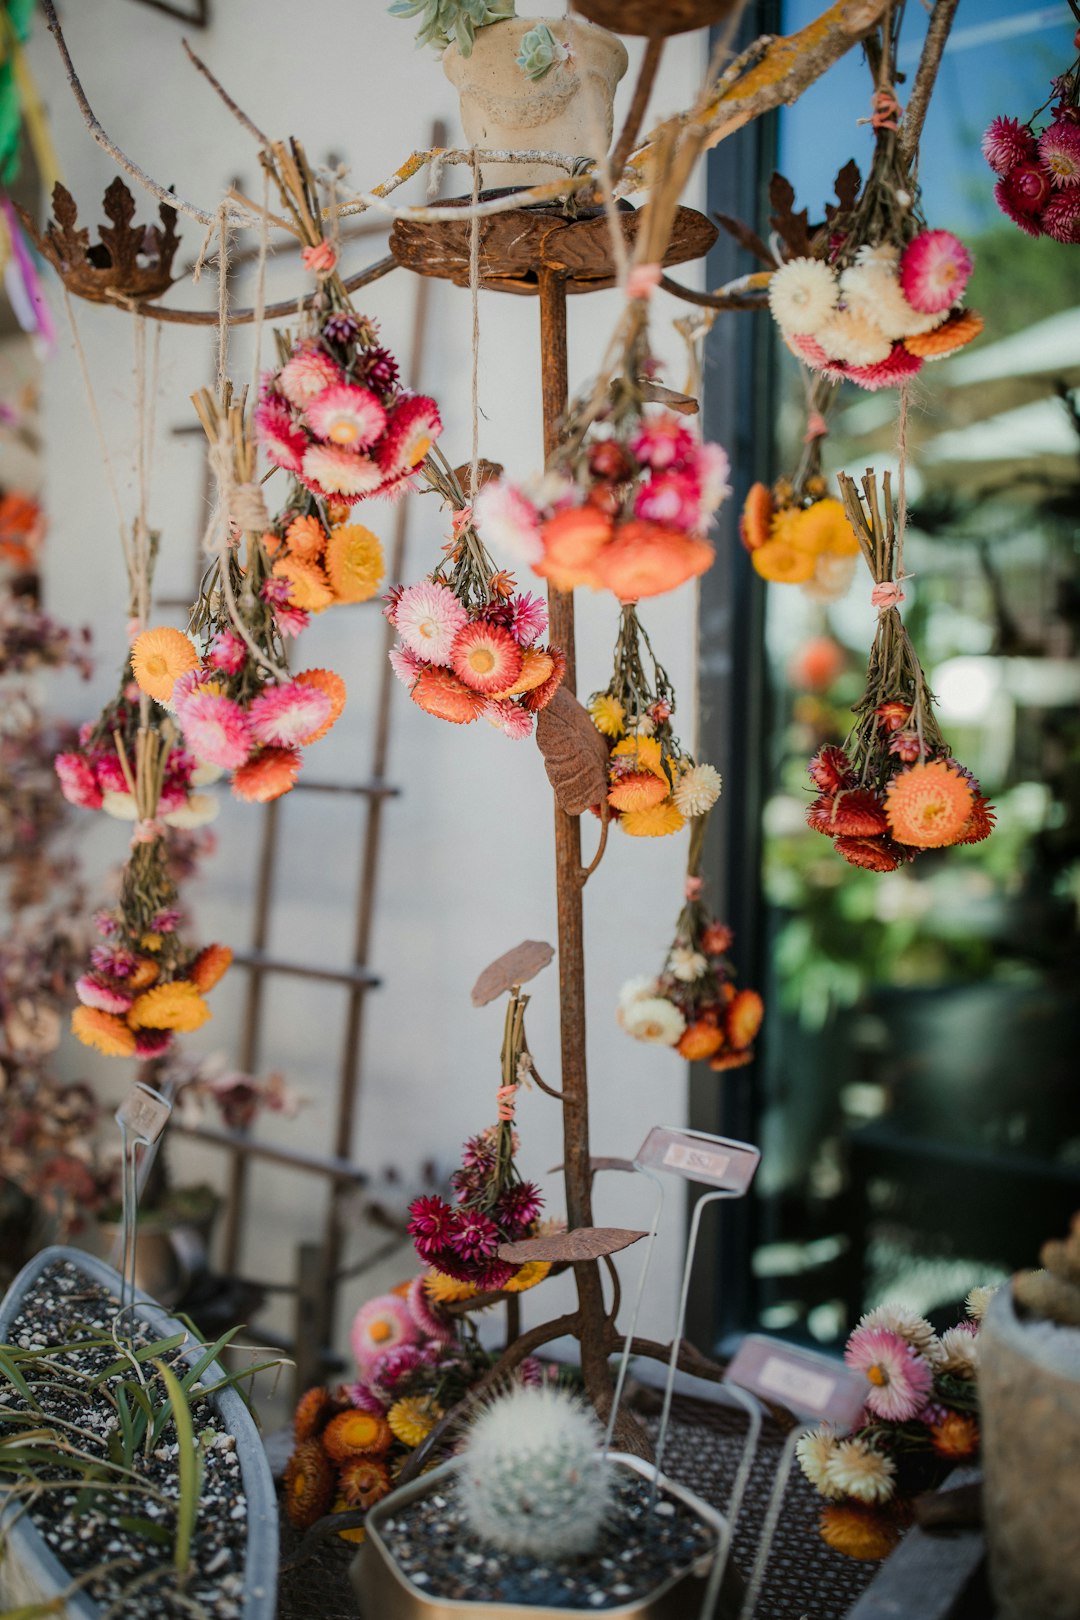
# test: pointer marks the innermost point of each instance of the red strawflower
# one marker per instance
(1028, 187)
(894, 715)
(518, 1207)
(980, 823)
(1061, 216)
(1008, 143)
(906, 746)
(830, 769)
(1027, 222)
(430, 1223)
(873, 854)
(473, 1236)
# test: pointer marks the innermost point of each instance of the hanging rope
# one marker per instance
(474, 289)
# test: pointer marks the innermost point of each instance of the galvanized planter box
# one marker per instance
(386, 1594)
(31, 1573)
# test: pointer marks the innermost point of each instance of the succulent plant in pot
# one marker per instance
(533, 1515)
(526, 83)
(1029, 1392)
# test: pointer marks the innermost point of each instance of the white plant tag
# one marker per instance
(714, 1160)
(808, 1384)
(143, 1114)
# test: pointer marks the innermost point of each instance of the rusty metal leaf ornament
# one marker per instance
(575, 754)
(129, 261)
(524, 962)
(585, 1243)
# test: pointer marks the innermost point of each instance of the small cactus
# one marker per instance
(1054, 1293)
(532, 1477)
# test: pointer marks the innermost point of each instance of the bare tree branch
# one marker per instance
(941, 21)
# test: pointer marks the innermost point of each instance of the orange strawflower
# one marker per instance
(176, 1005)
(363, 1482)
(730, 1060)
(267, 775)
(655, 822)
(354, 562)
(646, 754)
(858, 1531)
(929, 805)
(825, 527)
(308, 585)
(440, 693)
(744, 1015)
(309, 1484)
(356, 1433)
(147, 972)
(159, 657)
(306, 538)
(782, 563)
(538, 697)
(956, 1437)
(699, 1040)
(330, 682)
(955, 333)
(537, 665)
(637, 791)
(314, 1410)
(757, 515)
(104, 1031)
(502, 583)
(645, 559)
(572, 541)
(210, 967)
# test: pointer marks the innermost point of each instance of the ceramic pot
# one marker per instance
(656, 18)
(565, 111)
(384, 1591)
(1029, 1400)
(30, 1572)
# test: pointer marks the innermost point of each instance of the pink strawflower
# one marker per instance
(531, 1372)
(430, 1223)
(430, 1322)
(495, 1274)
(934, 270)
(394, 1365)
(1006, 143)
(1028, 223)
(285, 716)
(1027, 188)
(306, 375)
(899, 366)
(406, 665)
(106, 923)
(174, 795)
(900, 1380)
(380, 1325)
(1061, 216)
(152, 1043)
(662, 441)
(473, 1236)
(109, 774)
(528, 618)
(166, 922)
(1059, 153)
(378, 368)
(361, 1395)
(216, 729)
(279, 435)
(277, 591)
(413, 427)
(395, 489)
(519, 1207)
(672, 498)
(428, 617)
(290, 621)
(509, 718)
(712, 467)
(508, 521)
(227, 652)
(346, 415)
(113, 960)
(329, 470)
(77, 782)
(392, 598)
(95, 992)
(806, 347)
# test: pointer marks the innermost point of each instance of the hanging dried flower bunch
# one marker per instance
(693, 1005)
(469, 641)
(234, 698)
(1038, 170)
(893, 789)
(654, 786)
(143, 983)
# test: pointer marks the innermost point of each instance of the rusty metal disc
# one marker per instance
(655, 20)
(514, 246)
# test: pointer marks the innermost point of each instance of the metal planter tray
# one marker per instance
(30, 1573)
(385, 1593)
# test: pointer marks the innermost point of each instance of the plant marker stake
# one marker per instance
(814, 1386)
(727, 1166)
(624, 1359)
(142, 1116)
(753, 1410)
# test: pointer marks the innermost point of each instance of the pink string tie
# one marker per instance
(887, 595)
(642, 280)
(694, 886)
(816, 427)
(321, 259)
(148, 831)
(505, 1097)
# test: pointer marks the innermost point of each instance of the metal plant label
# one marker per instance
(808, 1384)
(714, 1160)
(143, 1114)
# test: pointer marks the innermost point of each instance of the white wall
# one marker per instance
(467, 866)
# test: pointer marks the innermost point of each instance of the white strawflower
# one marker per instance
(884, 253)
(636, 990)
(199, 809)
(120, 805)
(204, 774)
(686, 964)
(978, 1300)
(654, 1020)
(908, 1325)
(815, 1451)
(957, 1353)
(642, 725)
(802, 294)
(873, 291)
(831, 578)
(856, 1469)
(697, 790)
(854, 338)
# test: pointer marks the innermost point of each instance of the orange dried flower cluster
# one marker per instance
(808, 543)
(321, 564)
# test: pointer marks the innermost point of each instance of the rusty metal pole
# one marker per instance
(575, 1089)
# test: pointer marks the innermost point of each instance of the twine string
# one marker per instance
(474, 290)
